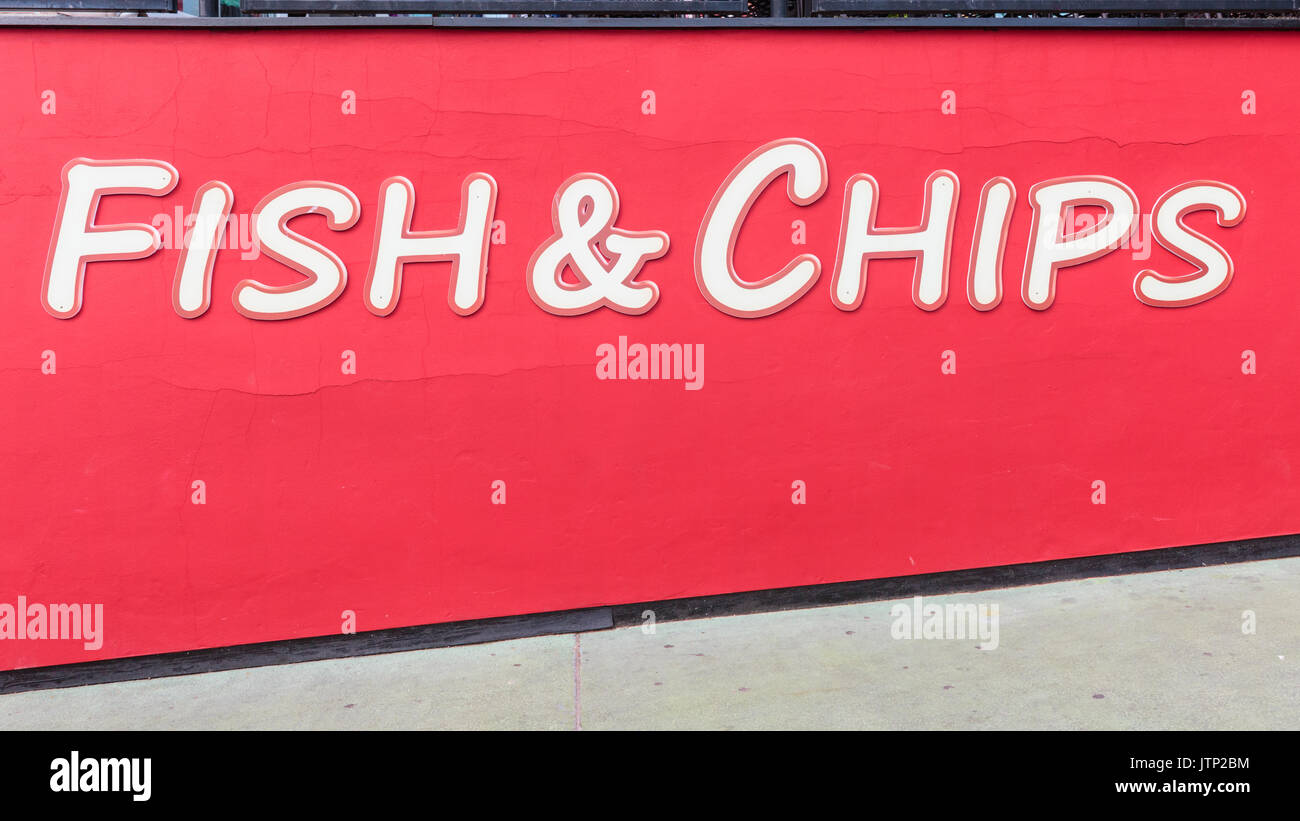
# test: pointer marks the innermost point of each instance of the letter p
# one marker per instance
(1050, 249)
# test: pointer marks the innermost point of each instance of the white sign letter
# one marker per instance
(466, 246)
(1213, 265)
(714, 269)
(78, 240)
(325, 272)
(1050, 249)
(861, 241)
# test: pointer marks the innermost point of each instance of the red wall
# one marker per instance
(371, 492)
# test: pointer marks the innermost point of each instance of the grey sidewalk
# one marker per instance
(1151, 651)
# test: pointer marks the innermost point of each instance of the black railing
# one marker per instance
(905, 9)
(777, 8)
(578, 7)
(90, 5)
(1053, 6)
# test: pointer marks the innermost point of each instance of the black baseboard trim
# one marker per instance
(961, 581)
(479, 631)
(294, 651)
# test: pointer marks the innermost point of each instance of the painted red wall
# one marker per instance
(371, 492)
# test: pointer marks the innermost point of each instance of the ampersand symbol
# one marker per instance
(606, 259)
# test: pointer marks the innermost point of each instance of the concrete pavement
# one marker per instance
(1163, 650)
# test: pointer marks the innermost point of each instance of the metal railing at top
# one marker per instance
(1054, 6)
(774, 8)
(684, 8)
(542, 7)
(89, 5)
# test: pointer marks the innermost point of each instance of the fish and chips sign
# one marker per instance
(608, 261)
(314, 332)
